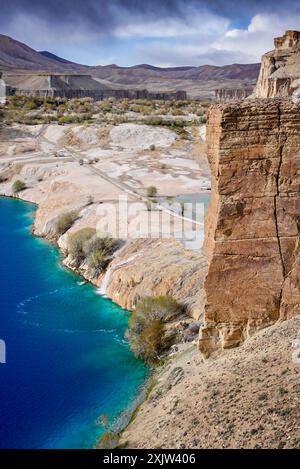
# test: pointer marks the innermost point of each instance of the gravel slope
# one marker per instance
(247, 398)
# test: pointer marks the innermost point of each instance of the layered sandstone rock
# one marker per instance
(230, 94)
(280, 68)
(253, 222)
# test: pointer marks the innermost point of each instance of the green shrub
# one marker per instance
(151, 191)
(69, 119)
(86, 245)
(146, 327)
(48, 119)
(97, 263)
(18, 186)
(77, 244)
(163, 307)
(64, 222)
(98, 243)
(98, 250)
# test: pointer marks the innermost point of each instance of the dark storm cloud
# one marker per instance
(90, 13)
(106, 14)
(172, 32)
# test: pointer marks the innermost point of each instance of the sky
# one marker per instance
(158, 32)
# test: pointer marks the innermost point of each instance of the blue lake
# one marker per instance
(67, 360)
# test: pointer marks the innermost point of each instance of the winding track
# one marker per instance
(76, 156)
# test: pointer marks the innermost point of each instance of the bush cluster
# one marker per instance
(36, 110)
(64, 222)
(151, 191)
(18, 186)
(147, 327)
(85, 245)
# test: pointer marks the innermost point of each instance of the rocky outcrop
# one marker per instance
(280, 68)
(77, 86)
(230, 94)
(5, 89)
(253, 222)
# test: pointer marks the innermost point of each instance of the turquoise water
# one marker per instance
(202, 198)
(67, 360)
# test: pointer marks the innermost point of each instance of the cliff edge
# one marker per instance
(253, 222)
(280, 69)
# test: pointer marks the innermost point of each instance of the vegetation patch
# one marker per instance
(64, 222)
(18, 186)
(147, 332)
(77, 244)
(172, 114)
(151, 191)
(86, 246)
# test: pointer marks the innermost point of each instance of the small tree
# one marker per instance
(18, 186)
(151, 191)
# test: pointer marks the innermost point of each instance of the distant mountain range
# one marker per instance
(16, 56)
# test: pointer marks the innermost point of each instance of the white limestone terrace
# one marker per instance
(136, 155)
(69, 167)
(141, 137)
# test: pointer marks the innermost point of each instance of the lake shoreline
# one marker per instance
(122, 420)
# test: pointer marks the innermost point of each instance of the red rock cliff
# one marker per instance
(253, 222)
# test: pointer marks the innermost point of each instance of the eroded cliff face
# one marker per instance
(253, 222)
(151, 267)
(280, 68)
(230, 94)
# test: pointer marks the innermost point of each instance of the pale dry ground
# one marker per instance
(135, 155)
(116, 161)
(247, 398)
(55, 163)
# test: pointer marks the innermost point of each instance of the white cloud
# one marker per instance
(196, 37)
(224, 46)
(191, 23)
(258, 37)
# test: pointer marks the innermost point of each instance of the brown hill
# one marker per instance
(15, 54)
(198, 81)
